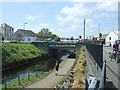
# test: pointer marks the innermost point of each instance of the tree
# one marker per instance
(80, 36)
(67, 38)
(71, 38)
(45, 31)
(57, 38)
(53, 36)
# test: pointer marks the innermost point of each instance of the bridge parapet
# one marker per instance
(41, 45)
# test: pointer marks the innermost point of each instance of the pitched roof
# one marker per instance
(117, 32)
(104, 36)
(25, 33)
(20, 33)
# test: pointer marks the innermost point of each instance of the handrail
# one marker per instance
(103, 76)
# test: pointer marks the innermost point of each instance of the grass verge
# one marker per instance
(25, 81)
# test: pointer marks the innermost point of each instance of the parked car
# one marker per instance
(61, 43)
(52, 42)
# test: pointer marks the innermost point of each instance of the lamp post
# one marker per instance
(84, 30)
(99, 31)
(24, 26)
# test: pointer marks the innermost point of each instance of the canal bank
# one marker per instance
(34, 68)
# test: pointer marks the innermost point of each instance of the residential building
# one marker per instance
(112, 37)
(22, 35)
(6, 30)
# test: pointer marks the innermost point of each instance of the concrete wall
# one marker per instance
(77, 49)
(41, 45)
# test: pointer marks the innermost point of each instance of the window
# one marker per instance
(5, 29)
(28, 39)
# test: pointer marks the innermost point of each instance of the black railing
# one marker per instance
(19, 79)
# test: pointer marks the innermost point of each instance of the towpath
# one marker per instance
(51, 79)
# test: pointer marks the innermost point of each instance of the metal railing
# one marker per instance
(22, 77)
(103, 77)
(92, 82)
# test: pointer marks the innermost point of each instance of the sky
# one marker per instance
(66, 19)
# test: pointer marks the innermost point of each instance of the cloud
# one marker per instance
(73, 27)
(93, 25)
(31, 17)
(105, 14)
(37, 28)
(74, 14)
(69, 18)
(91, 0)
(76, 10)
(108, 6)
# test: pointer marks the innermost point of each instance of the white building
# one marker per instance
(6, 30)
(112, 37)
(29, 39)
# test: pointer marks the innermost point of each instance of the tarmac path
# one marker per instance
(52, 79)
(113, 68)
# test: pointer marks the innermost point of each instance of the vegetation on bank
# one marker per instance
(80, 70)
(15, 52)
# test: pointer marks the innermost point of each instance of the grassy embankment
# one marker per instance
(80, 70)
(14, 52)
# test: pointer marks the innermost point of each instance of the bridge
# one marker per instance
(74, 47)
(65, 46)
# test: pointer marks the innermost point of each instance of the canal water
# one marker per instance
(23, 70)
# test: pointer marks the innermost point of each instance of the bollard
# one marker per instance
(36, 73)
(5, 82)
(19, 78)
(97, 67)
(46, 68)
(28, 75)
(94, 63)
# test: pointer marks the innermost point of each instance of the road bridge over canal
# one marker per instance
(51, 49)
(75, 47)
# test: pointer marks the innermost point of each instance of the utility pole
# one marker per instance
(84, 30)
(99, 30)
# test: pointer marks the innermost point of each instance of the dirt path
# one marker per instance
(51, 79)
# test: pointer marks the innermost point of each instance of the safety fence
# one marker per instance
(21, 79)
(96, 52)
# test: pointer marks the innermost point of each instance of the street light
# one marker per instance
(84, 30)
(99, 31)
(24, 25)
